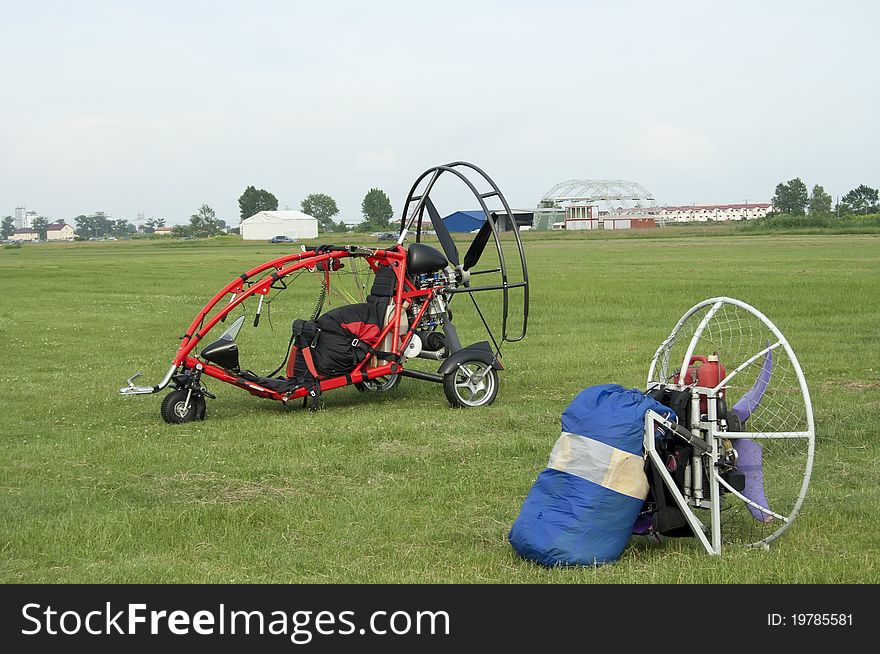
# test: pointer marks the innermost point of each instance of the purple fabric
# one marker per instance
(644, 525)
(749, 452)
(750, 463)
(748, 402)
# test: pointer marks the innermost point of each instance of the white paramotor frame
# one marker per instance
(784, 431)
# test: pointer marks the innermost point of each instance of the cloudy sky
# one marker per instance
(162, 106)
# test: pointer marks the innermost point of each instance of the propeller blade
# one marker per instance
(443, 234)
(749, 402)
(750, 462)
(749, 452)
(475, 251)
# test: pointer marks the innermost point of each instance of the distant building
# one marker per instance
(628, 222)
(581, 216)
(585, 204)
(163, 231)
(468, 221)
(464, 221)
(549, 218)
(26, 234)
(59, 232)
(264, 225)
(585, 216)
(24, 219)
(701, 213)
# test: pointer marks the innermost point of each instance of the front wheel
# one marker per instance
(175, 409)
(471, 384)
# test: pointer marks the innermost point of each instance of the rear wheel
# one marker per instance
(471, 384)
(175, 409)
(379, 384)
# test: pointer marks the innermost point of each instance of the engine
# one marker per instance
(438, 306)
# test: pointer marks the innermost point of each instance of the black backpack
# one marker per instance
(336, 342)
(668, 519)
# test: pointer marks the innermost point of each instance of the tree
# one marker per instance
(204, 222)
(377, 211)
(322, 207)
(820, 202)
(253, 201)
(8, 227)
(862, 199)
(84, 228)
(39, 225)
(97, 225)
(791, 197)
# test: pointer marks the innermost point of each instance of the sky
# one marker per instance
(160, 107)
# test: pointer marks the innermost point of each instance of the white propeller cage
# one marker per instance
(782, 424)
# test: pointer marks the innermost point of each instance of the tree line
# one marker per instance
(793, 199)
(97, 225)
(376, 209)
(39, 225)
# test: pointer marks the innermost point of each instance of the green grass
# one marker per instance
(400, 487)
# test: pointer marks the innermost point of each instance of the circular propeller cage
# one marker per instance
(766, 390)
(509, 268)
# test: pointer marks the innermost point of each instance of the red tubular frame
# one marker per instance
(282, 267)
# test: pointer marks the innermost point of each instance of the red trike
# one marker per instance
(371, 343)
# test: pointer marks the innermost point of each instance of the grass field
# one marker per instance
(399, 487)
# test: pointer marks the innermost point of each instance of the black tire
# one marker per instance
(173, 407)
(379, 384)
(463, 393)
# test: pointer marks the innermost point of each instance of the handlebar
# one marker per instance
(687, 435)
(351, 249)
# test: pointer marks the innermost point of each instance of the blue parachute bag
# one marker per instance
(582, 508)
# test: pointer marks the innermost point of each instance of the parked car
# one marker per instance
(283, 239)
(387, 236)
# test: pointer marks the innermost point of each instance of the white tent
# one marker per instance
(264, 225)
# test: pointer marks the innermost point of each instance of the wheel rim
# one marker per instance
(380, 384)
(474, 383)
(180, 409)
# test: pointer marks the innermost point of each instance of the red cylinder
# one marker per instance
(707, 375)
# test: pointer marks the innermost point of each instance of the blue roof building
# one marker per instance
(464, 221)
(468, 221)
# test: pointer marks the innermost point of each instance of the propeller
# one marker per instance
(750, 400)
(443, 234)
(475, 251)
(749, 452)
(477, 246)
(471, 257)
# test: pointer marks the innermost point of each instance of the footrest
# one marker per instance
(278, 384)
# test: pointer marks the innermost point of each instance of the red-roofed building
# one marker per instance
(26, 234)
(701, 213)
(59, 232)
